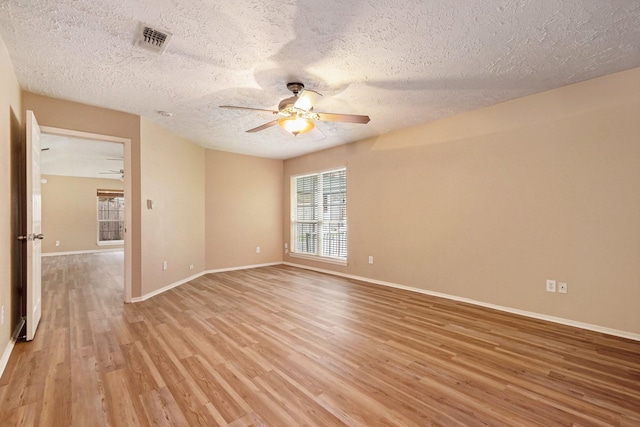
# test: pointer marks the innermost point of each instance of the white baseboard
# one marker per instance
(244, 267)
(195, 276)
(560, 320)
(6, 354)
(92, 251)
(165, 288)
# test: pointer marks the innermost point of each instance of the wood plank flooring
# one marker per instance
(280, 346)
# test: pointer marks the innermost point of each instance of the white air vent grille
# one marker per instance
(152, 38)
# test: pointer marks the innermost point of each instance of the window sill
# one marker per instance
(320, 259)
(111, 243)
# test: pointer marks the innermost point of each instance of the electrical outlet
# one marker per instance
(257, 249)
(165, 265)
(551, 285)
(562, 287)
(190, 266)
(2, 316)
(57, 242)
(370, 259)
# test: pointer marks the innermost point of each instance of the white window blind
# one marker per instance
(319, 214)
(110, 216)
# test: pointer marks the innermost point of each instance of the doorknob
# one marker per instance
(31, 237)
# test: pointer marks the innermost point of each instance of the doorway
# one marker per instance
(83, 160)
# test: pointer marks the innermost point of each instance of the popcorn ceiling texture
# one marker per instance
(401, 62)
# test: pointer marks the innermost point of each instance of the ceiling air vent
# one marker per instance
(153, 39)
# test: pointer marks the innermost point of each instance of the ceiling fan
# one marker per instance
(114, 172)
(297, 112)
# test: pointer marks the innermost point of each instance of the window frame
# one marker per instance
(321, 206)
(104, 194)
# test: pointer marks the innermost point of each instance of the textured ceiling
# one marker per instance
(70, 156)
(401, 62)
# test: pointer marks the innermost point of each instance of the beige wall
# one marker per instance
(487, 205)
(173, 178)
(69, 212)
(244, 210)
(85, 118)
(10, 133)
(484, 205)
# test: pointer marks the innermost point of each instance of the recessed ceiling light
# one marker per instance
(165, 113)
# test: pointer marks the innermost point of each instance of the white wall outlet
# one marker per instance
(286, 248)
(165, 265)
(190, 266)
(257, 249)
(57, 242)
(562, 287)
(2, 315)
(370, 259)
(551, 285)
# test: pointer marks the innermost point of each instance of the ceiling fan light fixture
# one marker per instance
(296, 125)
(297, 112)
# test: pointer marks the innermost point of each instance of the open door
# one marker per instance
(33, 237)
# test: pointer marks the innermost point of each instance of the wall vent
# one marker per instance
(153, 39)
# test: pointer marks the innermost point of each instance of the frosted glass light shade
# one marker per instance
(296, 125)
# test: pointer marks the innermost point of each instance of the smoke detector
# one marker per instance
(152, 38)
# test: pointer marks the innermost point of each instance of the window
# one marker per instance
(319, 215)
(110, 217)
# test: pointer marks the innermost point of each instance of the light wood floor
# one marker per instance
(280, 346)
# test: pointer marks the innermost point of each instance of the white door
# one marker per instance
(34, 226)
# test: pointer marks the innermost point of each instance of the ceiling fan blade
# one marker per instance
(347, 118)
(306, 99)
(233, 107)
(263, 127)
